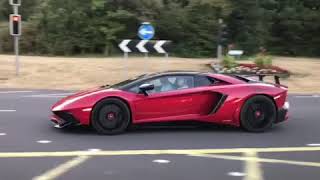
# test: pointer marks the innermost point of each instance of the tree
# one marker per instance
(60, 27)
(295, 31)
(249, 23)
(192, 27)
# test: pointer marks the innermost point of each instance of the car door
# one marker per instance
(180, 101)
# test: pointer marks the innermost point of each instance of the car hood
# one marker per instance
(84, 92)
(69, 100)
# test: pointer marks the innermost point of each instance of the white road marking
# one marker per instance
(59, 94)
(313, 144)
(44, 141)
(161, 161)
(13, 92)
(44, 96)
(3, 134)
(7, 110)
(307, 96)
(236, 174)
(62, 169)
(49, 95)
(252, 169)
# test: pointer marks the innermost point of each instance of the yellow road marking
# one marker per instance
(61, 169)
(152, 152)
(262, 160)
(252, 170)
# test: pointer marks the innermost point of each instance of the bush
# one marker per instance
(6, 44)
(263, 61)
(28, 40)
(229, 62)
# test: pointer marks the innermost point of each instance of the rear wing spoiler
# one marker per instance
(260, 76)
(276, 78)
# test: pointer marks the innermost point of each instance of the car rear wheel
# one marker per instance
(258, 114)
(110, 116)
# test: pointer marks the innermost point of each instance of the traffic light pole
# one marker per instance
(219, 52)
(16, 45)
(219, 49)
(16, 50)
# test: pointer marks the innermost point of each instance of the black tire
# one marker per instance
(110, 116)
(258, 114)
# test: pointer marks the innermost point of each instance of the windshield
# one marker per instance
(126, 82)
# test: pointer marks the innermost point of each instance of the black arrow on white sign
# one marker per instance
(158, 47)
(145, 46)
(124, 46)
(141, 46)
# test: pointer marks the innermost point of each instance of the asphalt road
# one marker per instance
(30, 148)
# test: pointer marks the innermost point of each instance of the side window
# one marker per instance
(155, 82)
(203, 81)
(157, 85)
(167, 83)
(184, 82)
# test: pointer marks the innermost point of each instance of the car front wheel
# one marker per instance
(110, 116)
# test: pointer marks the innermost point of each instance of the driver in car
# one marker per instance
(182, 83)
(166, 85)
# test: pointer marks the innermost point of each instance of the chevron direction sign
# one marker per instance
(145, 46)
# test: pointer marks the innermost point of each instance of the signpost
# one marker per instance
(146, 45)
(223, 38)
(219, 48)
(146, 31)
(236, 53)
(141, 47)
(15, 30)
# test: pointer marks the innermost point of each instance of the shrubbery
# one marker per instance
(229, 62)
(263, 61)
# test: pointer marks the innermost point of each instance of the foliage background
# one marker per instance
(76, 27)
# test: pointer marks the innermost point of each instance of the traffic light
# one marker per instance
(15, 25)
(223, 35)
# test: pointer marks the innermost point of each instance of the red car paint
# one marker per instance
(179, 105)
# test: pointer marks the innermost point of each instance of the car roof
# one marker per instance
(222, 77)
(174, 73)
(146, 77)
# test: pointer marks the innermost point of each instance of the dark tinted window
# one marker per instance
(200, 81)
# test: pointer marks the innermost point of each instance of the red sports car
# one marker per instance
(176, 96)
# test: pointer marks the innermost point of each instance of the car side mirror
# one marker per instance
(146, 87)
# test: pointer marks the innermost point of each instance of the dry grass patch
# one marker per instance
(82, 73)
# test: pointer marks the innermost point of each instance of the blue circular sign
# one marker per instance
(146, 31)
